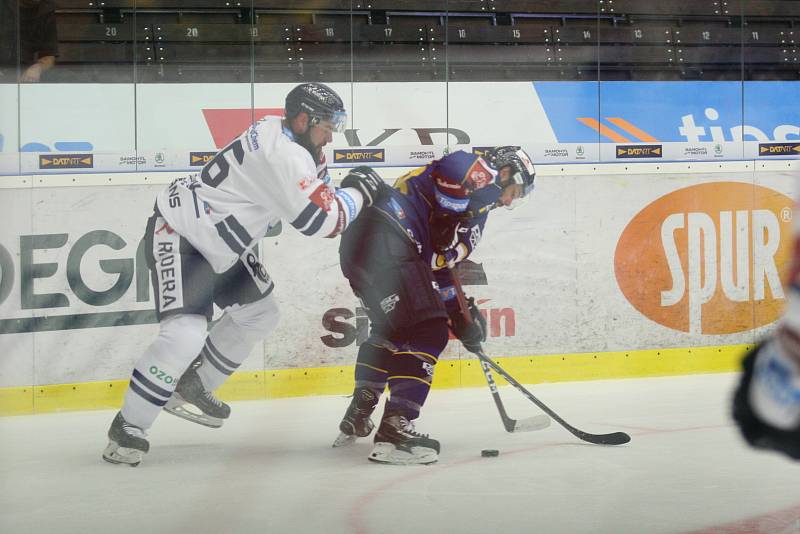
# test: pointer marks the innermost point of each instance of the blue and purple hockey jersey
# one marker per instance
(459, 185)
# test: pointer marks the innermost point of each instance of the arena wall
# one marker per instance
(612, 270)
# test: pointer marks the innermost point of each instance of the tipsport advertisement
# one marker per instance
(676, 120)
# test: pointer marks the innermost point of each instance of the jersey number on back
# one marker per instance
(216, 170)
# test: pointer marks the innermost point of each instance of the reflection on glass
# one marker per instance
(400, 92)
(196, 46)
(771, 121)
(669, 81)
(9, 41)
(97, 45)
(9, 75)
(534, 72)
(85, 123)
(194, 90)
(28, 40)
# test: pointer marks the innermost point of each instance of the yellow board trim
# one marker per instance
(271, 384)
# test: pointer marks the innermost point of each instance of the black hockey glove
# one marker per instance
(369, 184)
(769, 384)
(471, 333)
(444, 231)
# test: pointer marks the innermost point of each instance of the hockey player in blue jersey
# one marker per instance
(397, 257)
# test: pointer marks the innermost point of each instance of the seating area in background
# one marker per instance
(417, 40)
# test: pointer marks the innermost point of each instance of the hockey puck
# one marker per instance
(488, 453)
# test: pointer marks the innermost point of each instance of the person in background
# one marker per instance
(28, 39)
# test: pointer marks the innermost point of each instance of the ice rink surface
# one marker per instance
(271, 469)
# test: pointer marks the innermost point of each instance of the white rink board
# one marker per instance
(550, 264)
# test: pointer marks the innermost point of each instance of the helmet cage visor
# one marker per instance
(334, 122)
(522, 172)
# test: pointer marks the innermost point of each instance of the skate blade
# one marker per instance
(386, 453)
(186, 410)
(343, 440)
(115, 454)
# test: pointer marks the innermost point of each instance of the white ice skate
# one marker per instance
(127, 443)
(191, 401)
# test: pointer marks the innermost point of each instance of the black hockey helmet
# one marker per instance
(522, 170)
(319, 101)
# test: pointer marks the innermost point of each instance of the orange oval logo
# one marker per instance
(708, 259)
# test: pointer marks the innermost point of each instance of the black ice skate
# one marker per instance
(397, 443)
(356, 422)
(191, 401)
(127, 443)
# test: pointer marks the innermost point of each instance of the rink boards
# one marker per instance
(612, 270)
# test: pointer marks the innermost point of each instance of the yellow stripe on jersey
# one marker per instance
(426, 382)
(371, 367)
(401, 185)
(415, 353)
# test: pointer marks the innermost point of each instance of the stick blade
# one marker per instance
(536, 422)
(615, 438)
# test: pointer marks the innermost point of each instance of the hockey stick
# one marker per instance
(535, 422)
(615, 438)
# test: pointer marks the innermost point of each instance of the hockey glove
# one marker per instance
(766, 405)
(471, 333)
(444, 231)
(367, 182)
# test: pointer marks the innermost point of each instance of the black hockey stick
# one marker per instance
(535, 422)
(615, 438)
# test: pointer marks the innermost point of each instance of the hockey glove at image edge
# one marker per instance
(766, 404)
(367, 182)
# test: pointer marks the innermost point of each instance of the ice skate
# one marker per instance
(127, 443)
(356, 422)
(397, 443)
(191, 401)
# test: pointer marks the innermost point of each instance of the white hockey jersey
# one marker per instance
(259, 179)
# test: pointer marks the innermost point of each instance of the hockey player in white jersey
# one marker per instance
(201, 247)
